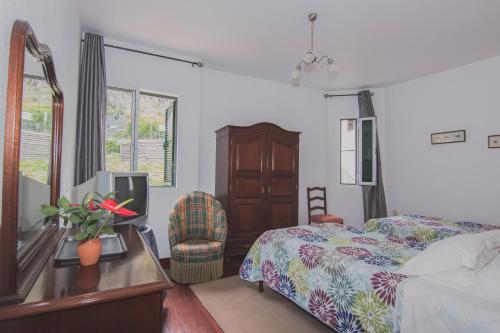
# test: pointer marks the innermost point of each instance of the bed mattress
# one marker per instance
(344, 276)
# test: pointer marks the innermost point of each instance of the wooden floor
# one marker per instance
(185, 313)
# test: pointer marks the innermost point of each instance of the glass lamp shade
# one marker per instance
(309, 57)
(295, 74)
(332, 68)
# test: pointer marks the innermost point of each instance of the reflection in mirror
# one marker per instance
(35, 153)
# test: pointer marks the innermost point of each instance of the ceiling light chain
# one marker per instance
(309, 57)
(312, 33)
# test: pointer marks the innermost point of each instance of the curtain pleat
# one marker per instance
(373, 196)
(91, 113)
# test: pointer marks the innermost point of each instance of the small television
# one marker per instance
(126, 185)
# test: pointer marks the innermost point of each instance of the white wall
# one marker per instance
(455, 180)
(137, 71)
(230, 99)
(347, 200)
(222, 99)
(460, 180)
(57, 24)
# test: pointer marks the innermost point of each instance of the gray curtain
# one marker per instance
(91, 109)
(373, 196)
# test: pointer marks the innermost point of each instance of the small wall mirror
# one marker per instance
(31, 163)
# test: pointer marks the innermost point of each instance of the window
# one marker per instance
(140, 134)
(358, 159)
(348, 151)
(119, 129)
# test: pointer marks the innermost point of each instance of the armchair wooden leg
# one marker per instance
(261, 286)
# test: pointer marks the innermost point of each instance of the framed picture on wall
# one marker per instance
(494, 141)
(448, 137)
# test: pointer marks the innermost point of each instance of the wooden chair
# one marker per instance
(321, 197)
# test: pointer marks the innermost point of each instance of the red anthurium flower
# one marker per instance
(110, 205)
(92, 206)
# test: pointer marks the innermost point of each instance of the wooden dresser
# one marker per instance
(256, 180)
(121, 295)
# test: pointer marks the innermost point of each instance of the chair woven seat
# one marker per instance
(320, 204)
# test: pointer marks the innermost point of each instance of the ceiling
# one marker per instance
(374, 43)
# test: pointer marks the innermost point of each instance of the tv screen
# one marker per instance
(135, 187)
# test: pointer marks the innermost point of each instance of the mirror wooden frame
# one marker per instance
(18, 274)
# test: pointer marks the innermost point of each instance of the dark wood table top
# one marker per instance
(61, 287)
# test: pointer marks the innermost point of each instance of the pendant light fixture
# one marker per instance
(310, 58)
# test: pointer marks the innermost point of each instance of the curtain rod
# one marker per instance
(342, 95)
(193, 63)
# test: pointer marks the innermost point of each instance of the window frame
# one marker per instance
(355, 151)
(134, 117)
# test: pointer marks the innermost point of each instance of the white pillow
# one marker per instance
(472, 251)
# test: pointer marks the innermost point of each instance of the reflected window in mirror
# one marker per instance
(36, 131)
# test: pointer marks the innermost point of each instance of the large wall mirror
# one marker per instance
(31, 171)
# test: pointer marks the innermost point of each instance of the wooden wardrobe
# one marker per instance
(256, 180)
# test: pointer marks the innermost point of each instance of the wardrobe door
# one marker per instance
(247, 188)
(282, 179)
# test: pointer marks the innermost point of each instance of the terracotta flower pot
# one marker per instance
(89, 251)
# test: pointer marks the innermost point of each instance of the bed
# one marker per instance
(344, 276)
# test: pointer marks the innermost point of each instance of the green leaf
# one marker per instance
(109, 195)
(49, 210)
(86, 198)
(74, 218)
(91, 230)
(81, 236)
(73, 210)
(108, 230)
(99, 195)
(63, 202)
(95, 216)
(82, 203)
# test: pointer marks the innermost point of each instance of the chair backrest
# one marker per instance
(319, 197)
(197, 215)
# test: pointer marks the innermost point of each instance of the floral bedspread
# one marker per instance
(419, 231)
(343, 276)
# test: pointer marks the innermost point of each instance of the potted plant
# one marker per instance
(93, 217)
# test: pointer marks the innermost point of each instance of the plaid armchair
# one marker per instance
(197, 233)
